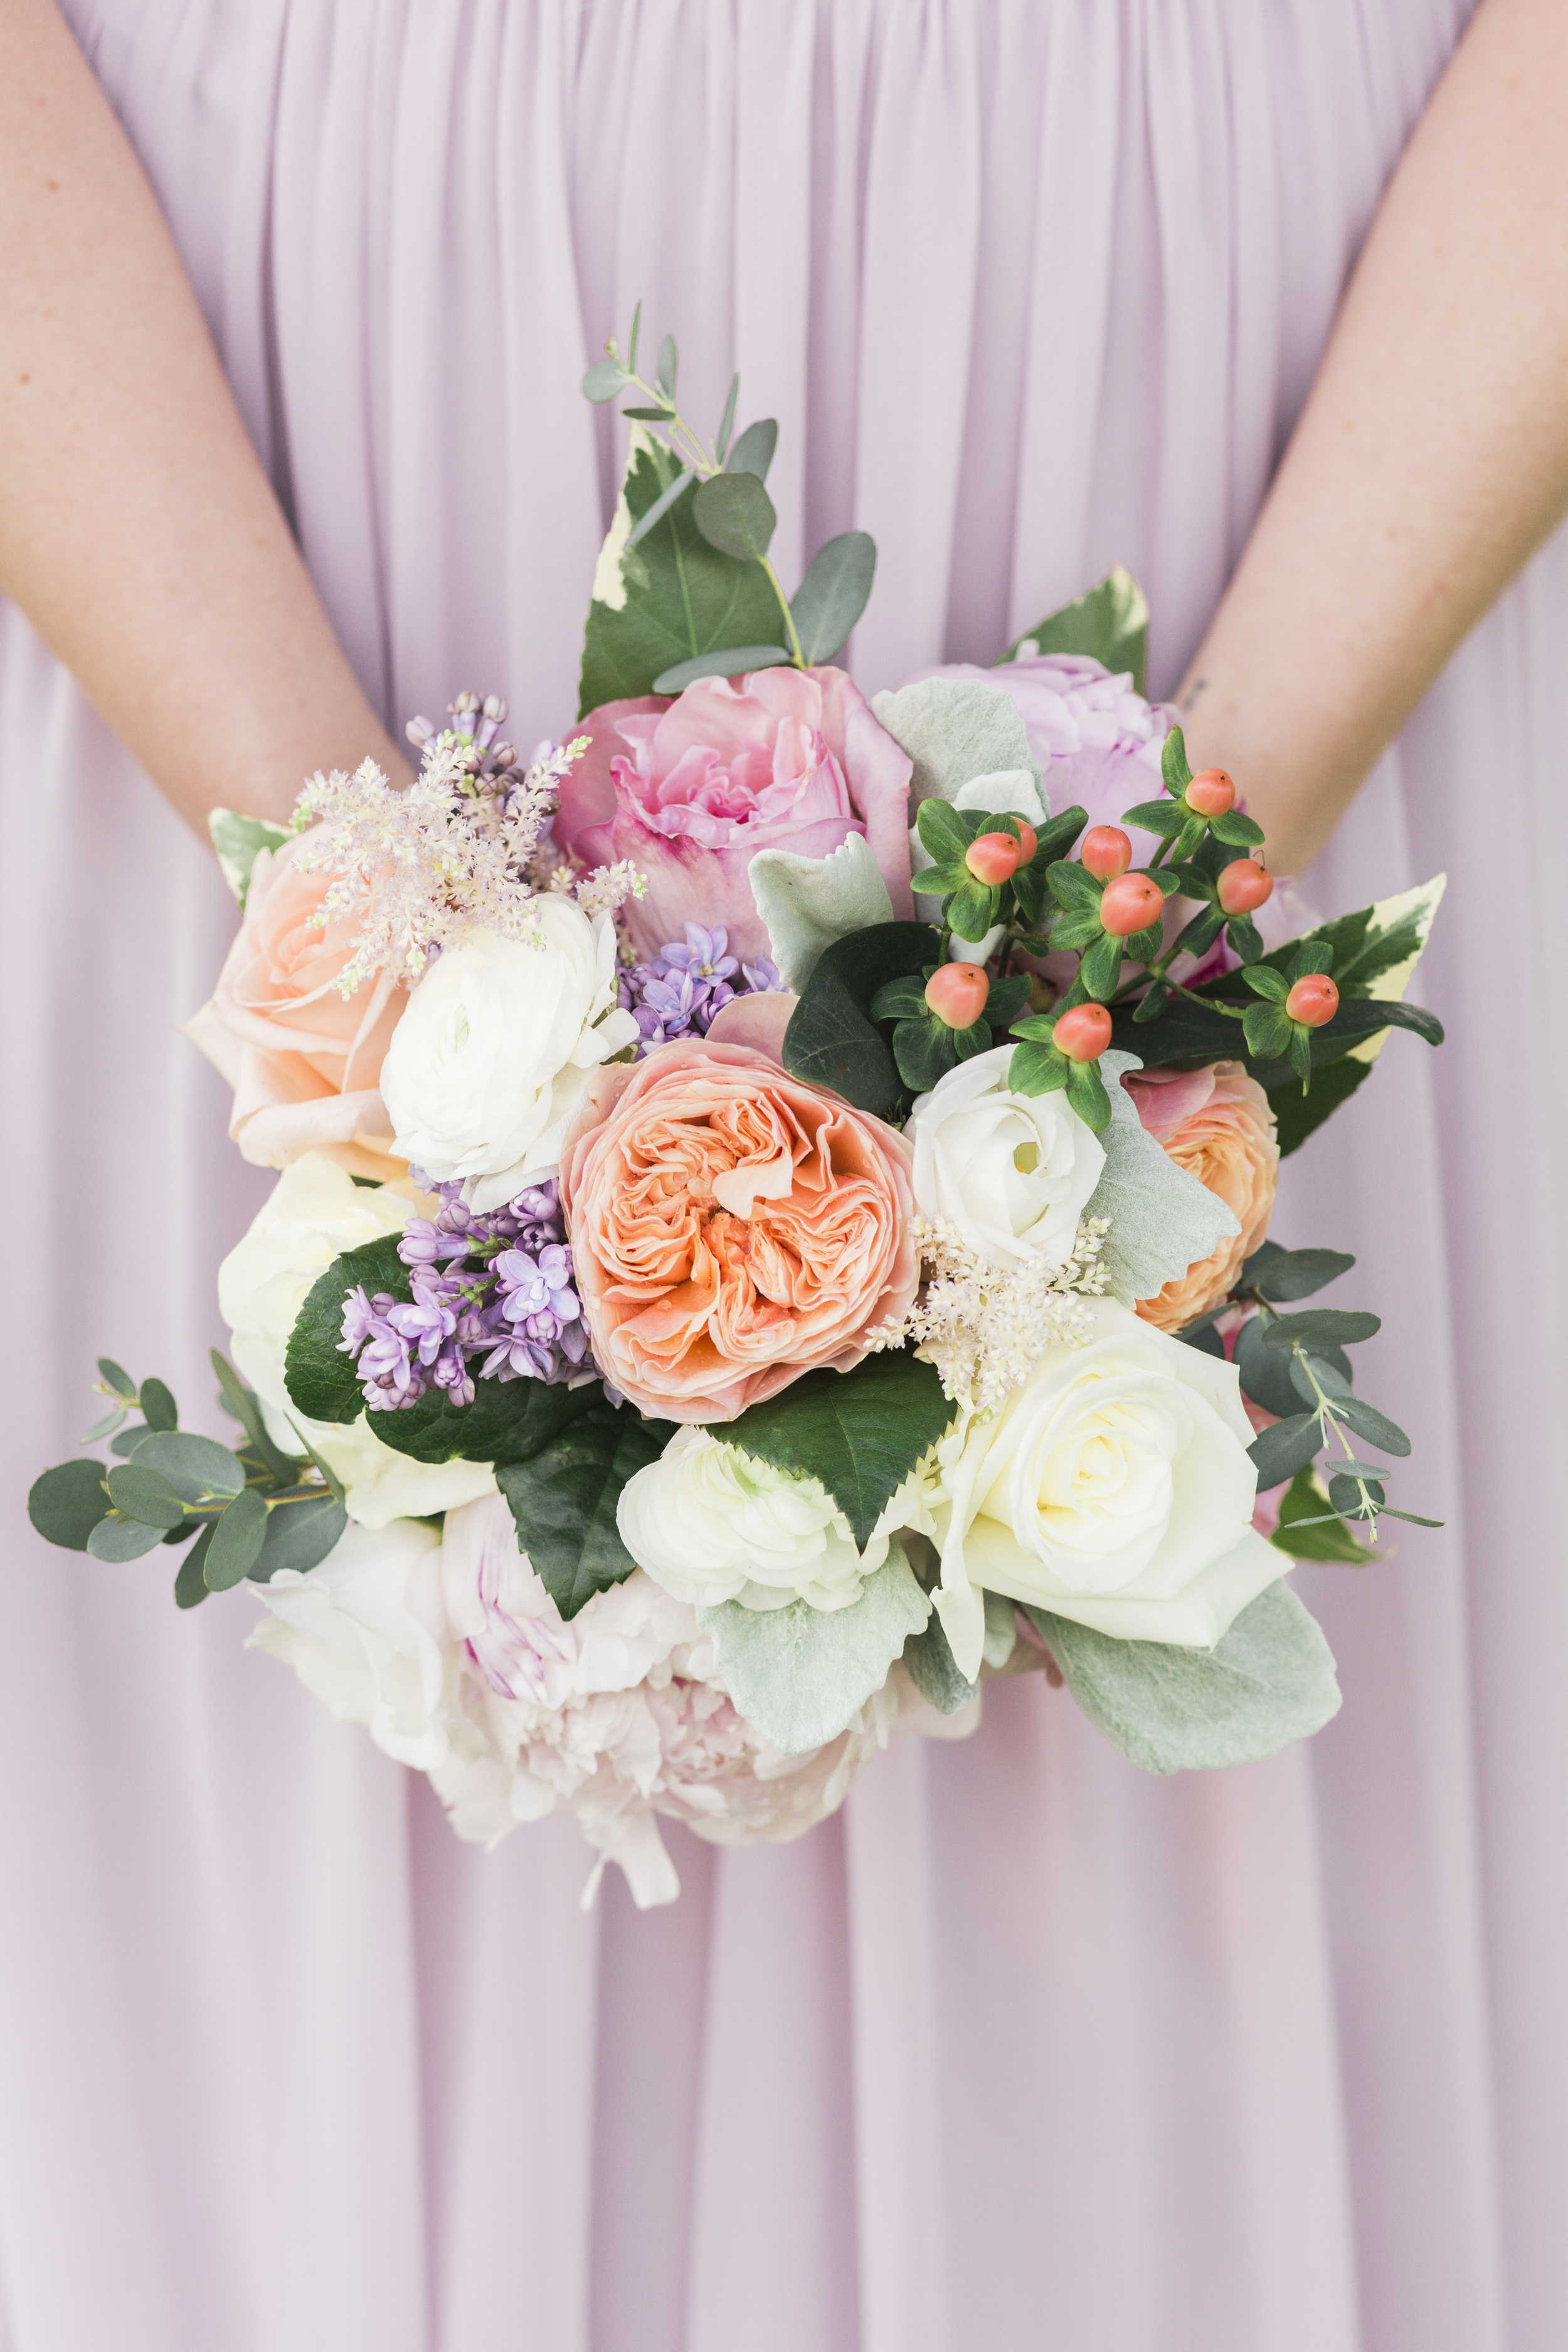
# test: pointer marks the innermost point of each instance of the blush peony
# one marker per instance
(690, 791)
(304, 1062)
(731, 1228)
(1216, 1124)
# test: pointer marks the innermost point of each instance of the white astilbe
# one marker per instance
(462, 849)
(984, 1326)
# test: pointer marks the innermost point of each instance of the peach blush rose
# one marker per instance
(1216, 1124)
(731, 1228)
(304, 1062)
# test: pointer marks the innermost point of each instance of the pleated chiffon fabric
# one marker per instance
(1025, 2050)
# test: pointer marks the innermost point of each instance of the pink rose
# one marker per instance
(304, 1062)
(1216, 1123)
(691, 790)
(731, 1228)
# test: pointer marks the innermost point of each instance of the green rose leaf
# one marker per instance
(860, 1432)
(563, 1499)
(1268, 1682)
(320, 1378)
(67, 1503)
(801, 1673)
(1109, 622)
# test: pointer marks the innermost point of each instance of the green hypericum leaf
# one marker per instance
(1153, 1003)
(730, 662)
(1145, 945)
(563, 1500)
(1297, 1274)
(1314, 955)
(237, 1540)
(925, 1050)
(67, 1503)
(1173, 765)
(1267, 1030)
(1037, 1069)
(191, 1465)
(191, 1587)
(934, 1671)
(158, 1407)
(971, 912)
(671, 598)
(832, 1040)
(1269, 1681)
(1005, 999)
(968, 1043)
(123, 1540)
(1074, 887)
(1238, 832)
(113, 1377)
(904, 998)
(1264, 981)
(1162, 817)
(1101, 966)
(1340, 1327)
(1110, 623)
(735, 514)
(753, 451)
(834, 593)
(942, 832)
(1085, 1092)
(141, 1494)
(239, 841)
(1245, 938)
(1374, 1426)
(1278, 1452)
(860, 1432)
(1308, 1529)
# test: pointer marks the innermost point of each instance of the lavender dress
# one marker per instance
(1025, 2050)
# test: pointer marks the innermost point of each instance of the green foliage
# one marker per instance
(142, 1495)
(238, 842)
(320, 1379)
(734, 513)
(1308, 1530)
(563, 1498)
(832, 1039)
(1268, 1682)
(67, 1503)
(1110, 623)
(237, 1540)
(834, 593)
(508, 1421)
(193, 1467)
(934, 1671)
(730, 662)
(860, 1432)
(753, 451)
(1338, 1326)
(1278, 1452)
(801, 1673)
(158, 1407)
(118, 1539)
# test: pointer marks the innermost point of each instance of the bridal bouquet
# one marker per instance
(772, 1221)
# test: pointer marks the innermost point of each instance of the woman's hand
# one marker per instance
(138, 532)
(1431, 459)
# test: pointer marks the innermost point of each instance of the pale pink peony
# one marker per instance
(612, 1716)
(304, 1062)
(731, 1228)
(1216, 1123)
(691, 790)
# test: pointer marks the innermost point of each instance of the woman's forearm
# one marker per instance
(1431, 459)
(137, 529)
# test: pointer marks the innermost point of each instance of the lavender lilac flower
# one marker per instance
(497, 1287)
(679, 991)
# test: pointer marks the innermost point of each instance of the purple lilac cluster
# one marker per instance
(497, 1287)
(678, 993)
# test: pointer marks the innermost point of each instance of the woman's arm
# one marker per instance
(137, 529)
(1431, 459)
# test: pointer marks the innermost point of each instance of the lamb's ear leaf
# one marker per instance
(802, 1675)
(1109, 622)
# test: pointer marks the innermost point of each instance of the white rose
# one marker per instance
(314, 1211)
(710, 1524)
(1113, 1487)
(366, 1635)
(492, 1056)
(1013, 1173)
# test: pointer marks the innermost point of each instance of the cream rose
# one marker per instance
(1113, 1487)
(491, 1058)
(367, 1635)
(314, 1212)
(710, 1524)
(1013, 1173)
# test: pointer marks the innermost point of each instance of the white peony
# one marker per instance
(1013, 1173)
(492, 1056)
(710, 1524)
(314, 1211)
(366, 1635)
(1112, 1487)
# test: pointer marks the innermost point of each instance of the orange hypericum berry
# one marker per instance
(956, 993)
(1313, 1000)
(1130, 904)
(1243, 886)
(1211, 793)
(1083, 1033)
(994, 857)
(1106, 853)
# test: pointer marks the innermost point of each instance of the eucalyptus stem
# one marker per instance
(797, 659)
(1328, 1423)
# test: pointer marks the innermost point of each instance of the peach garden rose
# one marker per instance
(304, 1061)
(731, 1228)
(1216, 1124)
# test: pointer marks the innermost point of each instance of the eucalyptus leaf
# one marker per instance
(1268, 1682)
(67, 1503)
(667, 369)
(158, 1407)
(730, 662)
(834, 593)
(1278, 1454)
(802, 1675)
(191, 1586)
(298, 1536)
(735, 514)
(1340, 1327)
(142, 1496)
(603, 380)
(236, 1540)
(1297, 1274)
(860, 1432)
(245, 1407)
(1374, 1426)
(114, 1377)
(103, 1428)
(1345, 1493)
(753, 451)
(660, 507)
(119, 1540)
(193, 1467)
(727, 422)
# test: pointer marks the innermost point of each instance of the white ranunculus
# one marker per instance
(314, 1211)
(1113, 1487)
(366, 1635)
(710, 1524)
(1013, 1173)
(493, 1054)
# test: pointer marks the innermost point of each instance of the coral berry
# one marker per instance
(1131, 903)
(1244, 885)
(1083, 1033)
(1211, 793)
(956, 993)
(1029, 841)
(1107, 852)
(994, 857)
(1313, 1000)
